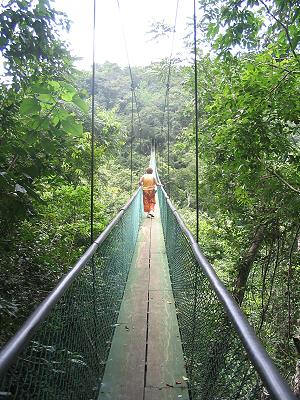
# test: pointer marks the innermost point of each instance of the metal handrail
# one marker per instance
(276, 385)
(17, 343)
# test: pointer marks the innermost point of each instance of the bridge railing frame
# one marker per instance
(17, 343)
(262, 362)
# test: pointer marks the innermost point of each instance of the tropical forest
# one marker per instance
(224, 121)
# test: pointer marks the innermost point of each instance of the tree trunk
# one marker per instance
(244, 267)
(297, 380)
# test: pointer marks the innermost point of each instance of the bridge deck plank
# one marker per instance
(146, 359)
(124, 373)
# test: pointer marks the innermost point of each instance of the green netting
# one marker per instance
(217, 364)
(66, 357)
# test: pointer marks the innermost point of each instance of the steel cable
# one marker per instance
(133, 86)
(166, 100)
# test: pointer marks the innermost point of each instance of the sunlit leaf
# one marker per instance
(46, 98)
(67, 96)
(72, 127)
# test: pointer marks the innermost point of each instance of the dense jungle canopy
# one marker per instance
(249, 129)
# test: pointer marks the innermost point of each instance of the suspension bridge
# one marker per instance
(142, 315)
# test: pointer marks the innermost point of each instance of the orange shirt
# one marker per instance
(148, 181)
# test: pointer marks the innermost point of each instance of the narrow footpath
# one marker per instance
(146, 360)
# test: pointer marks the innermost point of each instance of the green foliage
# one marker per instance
(30, 106)
(113, 92)
(44, 247)
(45, 137)
(36, 137)
(29, 40)
(37, 129)
(250, 141)
(249, 154)
(251, 24)
(249, 163)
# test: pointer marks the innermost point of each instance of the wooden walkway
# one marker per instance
(146, 361)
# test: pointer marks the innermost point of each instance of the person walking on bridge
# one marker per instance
(148, 183)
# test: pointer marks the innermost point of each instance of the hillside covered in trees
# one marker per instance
(249, 129)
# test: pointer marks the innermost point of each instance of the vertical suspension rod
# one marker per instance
(197, 195)
(141, 161)
(130, 74)
(168, 137)
(166, 105)
(93, 126)
(92, 178)
(131, 138)
(196, 123)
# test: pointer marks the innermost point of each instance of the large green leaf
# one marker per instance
(54, 84)
(62, 114)
(68, 91)
(68, 96)
(40, 89)
(72, 127)
(30, 106)
(68, 88)
(46, 98)
(80, 103)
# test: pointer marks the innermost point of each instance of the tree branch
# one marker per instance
(283, 180)
(264, 277)
(280, 82)
(274, 173)
(285, 28)
(265, 309)
(246, 263)
(289, 281)
(13, 163)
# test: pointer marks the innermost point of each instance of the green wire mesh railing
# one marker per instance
(218, 365)
(66, 355)
(65, 359)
